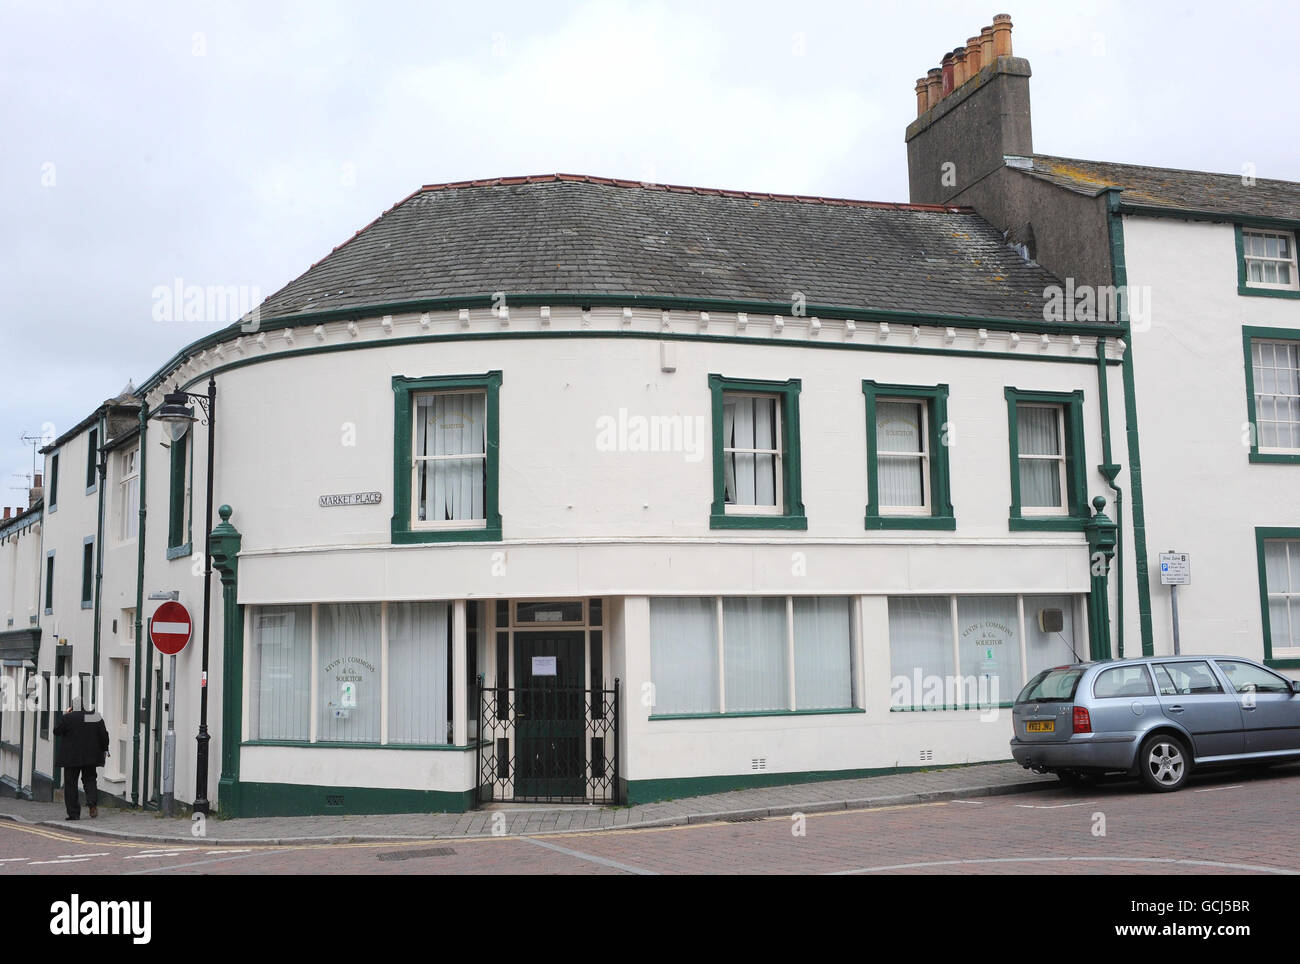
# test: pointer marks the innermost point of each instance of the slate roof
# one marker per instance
(585, 235)
(1171, 188)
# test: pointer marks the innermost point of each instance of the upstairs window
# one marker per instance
(178, 502)
(1279, 583)
(756, 479)
(92, 457)
(1048, 478)
(751, 452)
(449, 459)
(54, 481)
(445, 458)
(1276, 367)
(1266, 263)
(1040, 439)
(907, 457)
(129, 494)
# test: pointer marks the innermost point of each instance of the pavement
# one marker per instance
(496, 820)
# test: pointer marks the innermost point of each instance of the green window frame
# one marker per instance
(1075, 500)
(92, 450)
(49, 583)
(935, 402)
(180, 499)
(88, 572)
(1249, 335)
(1265, 534)
(54, 482)
(404, 529)
(790, 513)
(1243, 286)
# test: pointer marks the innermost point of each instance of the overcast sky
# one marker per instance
(234, 144)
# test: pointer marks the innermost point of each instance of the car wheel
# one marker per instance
(1164, 763)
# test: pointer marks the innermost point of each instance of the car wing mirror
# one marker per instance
(1295, 686)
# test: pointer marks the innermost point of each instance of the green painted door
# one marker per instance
(550, 715)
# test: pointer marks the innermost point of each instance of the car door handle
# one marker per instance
(1175, 709)
(1245, 708)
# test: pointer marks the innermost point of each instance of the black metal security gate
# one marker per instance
(548, 744)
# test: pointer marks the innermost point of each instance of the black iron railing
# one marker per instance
(548, 744)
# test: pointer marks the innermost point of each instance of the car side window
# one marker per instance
(1123, 681)
(1186, 679)
(1247, 678)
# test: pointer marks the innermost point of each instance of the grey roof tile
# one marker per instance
(1168, 187)
(564, 233)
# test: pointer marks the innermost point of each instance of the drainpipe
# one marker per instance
(1119, 278)
(99, 568)
(139, 601)
(1109, 470)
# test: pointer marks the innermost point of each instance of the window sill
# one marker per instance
(946, 523)
(91, 489)
(967, 708)
(1267, 292)
(1047, 523)
(363, 746)
(726, 716)
(724, 521)
(1275, 458)
(416, 536)
(87, 604)
(180, 552)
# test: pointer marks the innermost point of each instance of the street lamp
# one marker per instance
(177, 414)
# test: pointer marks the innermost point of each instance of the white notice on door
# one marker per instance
(543, 665)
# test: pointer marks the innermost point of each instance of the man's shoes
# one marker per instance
(94, 812)
(72, 817)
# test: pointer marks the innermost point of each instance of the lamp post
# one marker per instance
(177, 413)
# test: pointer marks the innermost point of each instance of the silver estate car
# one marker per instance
(1158, 717)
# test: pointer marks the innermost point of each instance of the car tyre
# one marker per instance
(1164, 763)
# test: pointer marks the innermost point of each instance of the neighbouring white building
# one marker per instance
(571, 488)
(1207, 264)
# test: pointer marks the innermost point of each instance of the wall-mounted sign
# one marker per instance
(352, 498)
(543, 665)
(1175, 569)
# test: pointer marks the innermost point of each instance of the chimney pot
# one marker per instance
(1002, 35)
(986, 46)
(934, 86)
(946, 66)
(6, 512)
(958, 67)
(974, 60)
(922, 96)
(39, 480)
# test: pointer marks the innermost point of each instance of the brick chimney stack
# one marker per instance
(966, 124)
(37, 491)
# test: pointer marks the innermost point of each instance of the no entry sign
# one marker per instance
(170, 629)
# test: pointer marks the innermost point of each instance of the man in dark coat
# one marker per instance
(82, 749)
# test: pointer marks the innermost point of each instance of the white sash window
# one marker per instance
(1270, 259)
(1276, 369)
(751, 453)
(449, 459)
(1041, 449)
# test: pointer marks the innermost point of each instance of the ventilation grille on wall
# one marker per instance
(758, 763)
(927, 755)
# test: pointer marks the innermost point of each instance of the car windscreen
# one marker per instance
(1051, 686)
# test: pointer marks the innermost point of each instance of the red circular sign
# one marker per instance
(170, 629)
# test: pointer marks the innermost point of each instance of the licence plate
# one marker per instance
(1041, 726)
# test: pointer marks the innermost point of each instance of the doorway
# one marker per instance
(550, 714)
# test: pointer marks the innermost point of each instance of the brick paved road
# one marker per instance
(1233, 823)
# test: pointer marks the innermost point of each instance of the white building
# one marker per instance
(707, 488)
